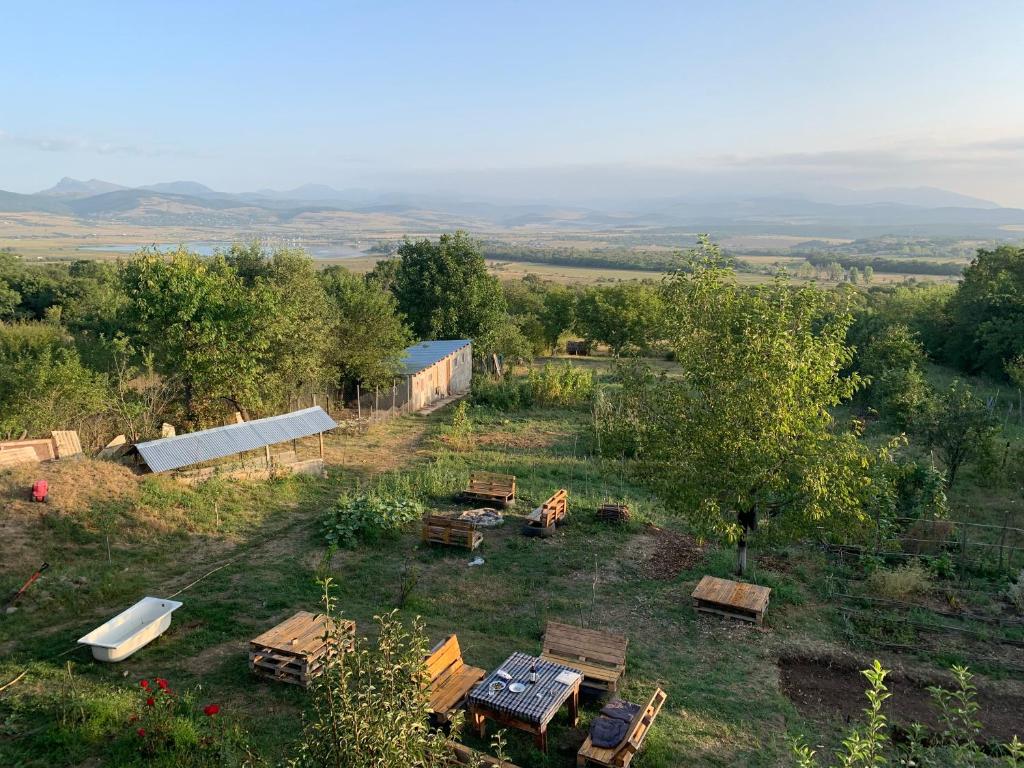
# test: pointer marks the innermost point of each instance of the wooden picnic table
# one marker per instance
(533, 709)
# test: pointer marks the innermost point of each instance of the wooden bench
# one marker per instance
(438, 529)
(450, 677)
(492, 488)
(463, 755)
(551, 512)
(600, 656)
(621, 755)
(732, 599)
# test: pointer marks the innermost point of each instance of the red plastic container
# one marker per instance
(40, 491)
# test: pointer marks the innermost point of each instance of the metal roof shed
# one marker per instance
(421, 356)
(208, 444)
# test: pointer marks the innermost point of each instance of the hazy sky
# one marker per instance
(519, 97)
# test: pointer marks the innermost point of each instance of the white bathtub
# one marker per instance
(124, 634)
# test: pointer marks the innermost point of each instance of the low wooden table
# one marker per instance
(534, 708)
(732, 599)
(295, 651)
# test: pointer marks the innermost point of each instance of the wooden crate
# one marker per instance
(732, 599)
(438, 529)
(295, 651)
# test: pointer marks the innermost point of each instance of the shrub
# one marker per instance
(367, 516)
(459, 431)
(565, 386)
(910, 579)
(1016, 592)
(552, 386)
(370, 706)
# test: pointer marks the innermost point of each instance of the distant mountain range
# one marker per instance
(828, 211)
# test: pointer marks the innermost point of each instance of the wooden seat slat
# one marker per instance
(599, 655)
(450, 677)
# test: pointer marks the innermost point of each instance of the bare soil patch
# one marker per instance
(672, 553)
(824, 689)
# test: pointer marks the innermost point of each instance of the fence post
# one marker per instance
(359, 403)
(1002, 538)
(963, 551)
(376, 400)
(394, 397)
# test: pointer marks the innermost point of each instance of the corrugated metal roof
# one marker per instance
(426, 353)
(195, 447)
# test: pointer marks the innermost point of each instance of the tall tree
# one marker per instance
(368, 334)
(743, 434)
(626, 317)
(299, 330)
(202, 323)
(444, 290)
(987, 312)
(959, 427)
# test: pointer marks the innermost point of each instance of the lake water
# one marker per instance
(208, 248)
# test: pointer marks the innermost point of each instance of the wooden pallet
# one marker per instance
(732, 599)
(491, 487)
(438, 529)
(551, 512)
(295, 651)
(15, 457)
(67, 443)
(613, 513)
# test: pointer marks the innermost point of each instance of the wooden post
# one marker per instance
(376, 399)
(267, 448)
(394, 397)
(359, 403)
(1002, 539)
(321, 436)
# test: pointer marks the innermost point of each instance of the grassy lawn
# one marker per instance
(248, 555)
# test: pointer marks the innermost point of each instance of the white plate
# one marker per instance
(517, 687)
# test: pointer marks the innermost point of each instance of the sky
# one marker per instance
(517, 99)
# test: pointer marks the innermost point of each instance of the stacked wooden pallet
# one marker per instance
(732, 599)
(613, 513)
(296, 650)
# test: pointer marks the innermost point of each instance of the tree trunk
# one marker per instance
(748, 522)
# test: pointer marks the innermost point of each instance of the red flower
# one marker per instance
(211, 709)
(162, 683)
(150, 702)
(144, 684)
(141, 732)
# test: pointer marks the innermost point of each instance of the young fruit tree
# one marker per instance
(743, 433)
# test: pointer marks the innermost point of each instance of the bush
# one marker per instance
(367, 516)
(552, 386)
(1016, 592)
(371, 704)
(909, 579)
(565, 386)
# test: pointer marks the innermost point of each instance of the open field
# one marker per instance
(248, 555)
